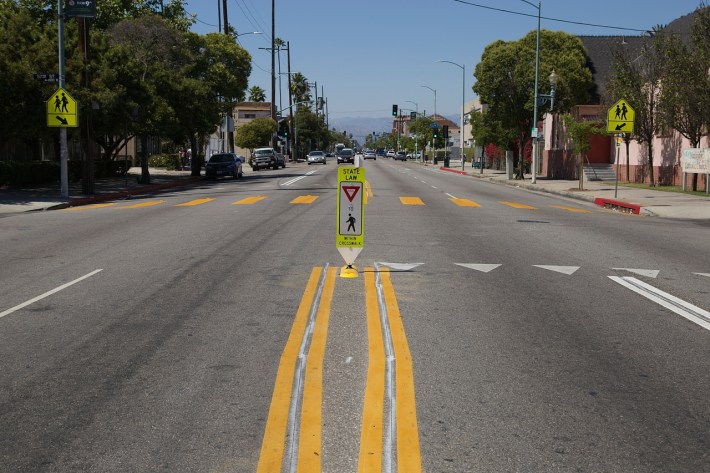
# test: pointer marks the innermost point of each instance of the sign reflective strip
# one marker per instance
(195, 202)
(250, 200)
(272, 446)
(571, 209)
(517, 205)
(310, 449)
(409, 457)
(304, 199)
(370, 458)
(144, 204)
(411, 201)
(464, 203)
(89, 207)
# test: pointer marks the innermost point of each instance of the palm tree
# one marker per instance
(257, 94)
(300, 88)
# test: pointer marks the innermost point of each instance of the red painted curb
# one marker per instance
(611, 203)
(139, 190)
(452, 170)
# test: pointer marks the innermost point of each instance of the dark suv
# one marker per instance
(266, 158)
(223, 164)
(346, 155)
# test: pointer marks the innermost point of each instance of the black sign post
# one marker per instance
(81, 8)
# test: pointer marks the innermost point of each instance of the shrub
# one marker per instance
(169, 161)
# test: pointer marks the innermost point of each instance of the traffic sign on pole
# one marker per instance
(62, 110)
(620, 118)
(350, 216)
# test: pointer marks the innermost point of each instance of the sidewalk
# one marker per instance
(629, 199)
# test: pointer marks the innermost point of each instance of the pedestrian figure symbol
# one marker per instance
(623, 111)
(65, 101)
(351, 222)
(57, 104)
(618, 112)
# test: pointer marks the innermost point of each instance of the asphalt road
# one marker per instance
(503, 332)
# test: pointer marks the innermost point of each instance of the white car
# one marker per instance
(391, 153)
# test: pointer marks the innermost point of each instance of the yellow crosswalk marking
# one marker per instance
(250, 200)
(411, 201)
(571, 209)
(89, 207)
(465, 203)
(304, 199)
(518, 206)
(143, 204)
(195, 202)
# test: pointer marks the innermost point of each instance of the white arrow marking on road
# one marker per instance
(401, 266)
(707, 275)
(484, 268)
(649, 273)
(568, 270)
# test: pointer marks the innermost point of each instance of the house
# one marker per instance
(244, 112)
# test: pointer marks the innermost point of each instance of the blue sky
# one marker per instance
(370, 54)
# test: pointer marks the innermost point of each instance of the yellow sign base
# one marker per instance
(348, 271)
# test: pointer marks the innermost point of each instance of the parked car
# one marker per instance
(370, 154)
(391, 153)
(346, 155)
(316, 157)
(266, 158)
(223, 164)
(401, 156)
(380, 152)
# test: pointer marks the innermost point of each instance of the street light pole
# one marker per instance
(433, 142)
(463, 100)
(537, 74)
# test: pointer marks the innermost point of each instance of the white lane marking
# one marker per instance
(48, 293)
(348, 360)
(400, 266)
(434, 187)
(390, 401)
(484, 268)
(296, 179)
(423, 182)
(450, 195)
(649, 273)
(707, 275)
(568, 270)
(679, 306)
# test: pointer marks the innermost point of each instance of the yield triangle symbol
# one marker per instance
(351, 192)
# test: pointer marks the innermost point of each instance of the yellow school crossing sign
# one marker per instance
(350, 213)
(620, 118)
(62, 110)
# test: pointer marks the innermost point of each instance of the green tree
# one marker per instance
(300, 89)
(580, 133)
(257, 94)
(256, 133)
(505, 79)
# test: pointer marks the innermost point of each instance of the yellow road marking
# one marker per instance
(311, 445)
(89, 207)
(250, 200)
(272, 447)
(518, 206)
(368, 191)
(143, 204)
(571, 209)
(409, 457)
(195, 202)
(304, 199)
(370, 459)
(411, 201)
(464, 203)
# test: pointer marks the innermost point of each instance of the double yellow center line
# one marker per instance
(293, 435)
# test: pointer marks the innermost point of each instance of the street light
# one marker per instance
(463, 105)
(433, 141)
(537, 73)
(251, 32)
(416, 140)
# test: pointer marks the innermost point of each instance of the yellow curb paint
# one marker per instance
(409, 456)
(370, 458)
(304, 199)
(310, 449)
(143, 204)
(93, 206)
(465, 203)
(195, 202)
(250, 200)
(411, 201)
(273, 444)
(571, 209)
(368, 191)
(518, 206)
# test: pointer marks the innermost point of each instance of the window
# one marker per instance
(250, 115)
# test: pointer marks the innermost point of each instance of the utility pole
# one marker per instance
(63, 152)
(273, 63)
(87, 174)
(291, 147)
(226, 21)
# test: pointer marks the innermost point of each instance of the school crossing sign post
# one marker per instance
(620, 118)
(350, 213)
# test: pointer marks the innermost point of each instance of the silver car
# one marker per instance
(316, 157)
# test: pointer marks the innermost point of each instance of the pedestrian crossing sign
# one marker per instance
(620, 118)
(350, 211)
(62, 110)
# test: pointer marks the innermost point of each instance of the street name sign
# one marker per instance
(62, 110)
(350, 213)
(81, 8)
(620, 118)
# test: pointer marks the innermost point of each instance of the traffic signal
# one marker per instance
(394, 110)
(413, 115)
(436, 133)
(446, 132)
(283, 128)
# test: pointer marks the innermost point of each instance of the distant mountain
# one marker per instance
(360, 127)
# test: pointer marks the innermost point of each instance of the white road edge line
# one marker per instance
(450, 195)
(679, 306)
(390, 401)
(48, 293)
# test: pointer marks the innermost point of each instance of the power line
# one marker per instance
(254, 22)
(548, 18)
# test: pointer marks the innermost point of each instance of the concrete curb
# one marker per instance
(530, 187)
